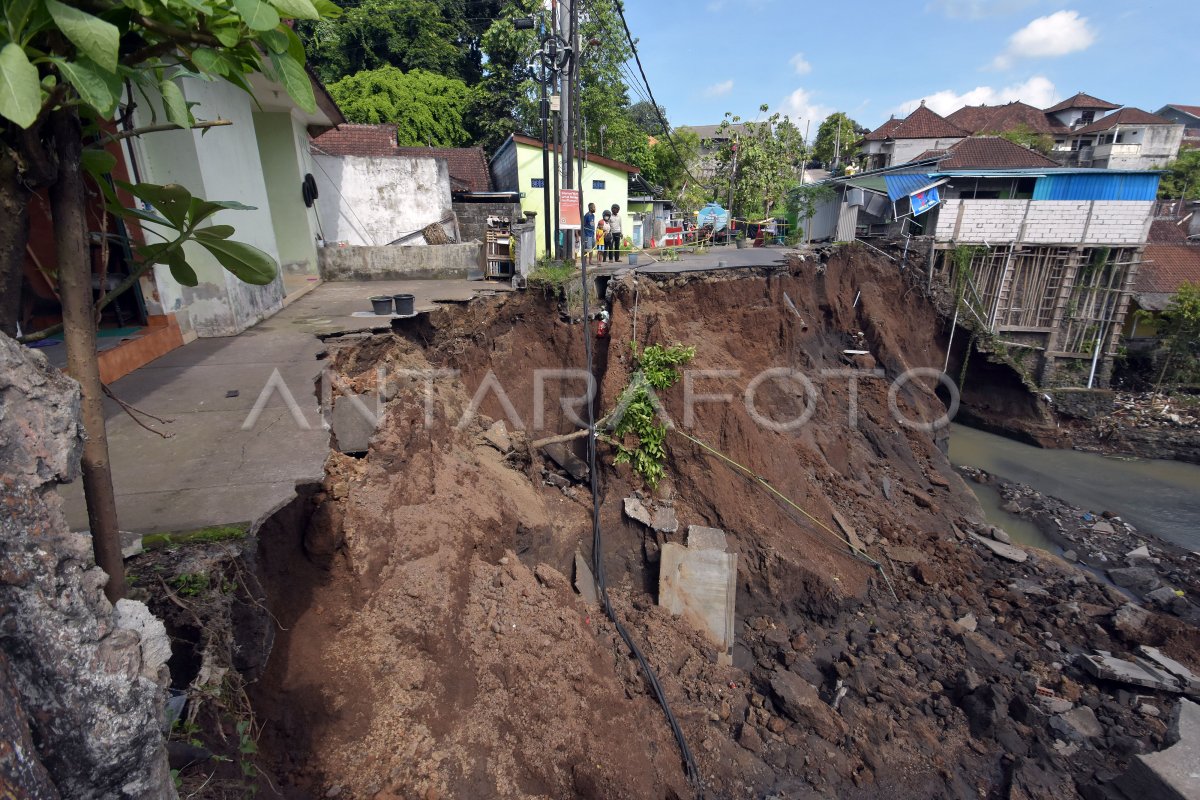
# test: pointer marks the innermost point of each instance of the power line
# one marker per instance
(657, 111)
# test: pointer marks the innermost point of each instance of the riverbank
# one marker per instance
(1150, 569)
(1143, 425)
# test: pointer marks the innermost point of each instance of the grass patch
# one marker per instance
(553, 275)
(207, 535)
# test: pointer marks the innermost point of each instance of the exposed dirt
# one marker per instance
(432, 646)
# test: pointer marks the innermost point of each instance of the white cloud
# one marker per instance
(800, 64)
(1051, 36)
(977, 9)
(719, 89)
(800, 108)
(1038, 91)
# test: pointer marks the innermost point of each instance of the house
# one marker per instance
(899, 141)
(517, 167)
(1188, 117)
(371, 194)
(1126, 139)
(1046, 255)
(261, 160)
(1005, 118)
(1172, 258)
(1078, 111)
(712, 139)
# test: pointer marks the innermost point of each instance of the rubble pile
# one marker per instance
(1143, 424)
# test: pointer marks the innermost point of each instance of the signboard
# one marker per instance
(568, 209)
(923, 201)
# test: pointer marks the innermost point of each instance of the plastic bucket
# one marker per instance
(633, 259)
(405, 304)
(381, 305)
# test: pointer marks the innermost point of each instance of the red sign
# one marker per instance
(568, 209)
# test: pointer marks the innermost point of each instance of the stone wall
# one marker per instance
(1083, 403)
(398, 262)
(89, 680)
(472, 218)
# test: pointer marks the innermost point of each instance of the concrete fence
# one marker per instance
(395, 262)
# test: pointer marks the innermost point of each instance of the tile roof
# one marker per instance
(1081, 100)
(988, 152)
(922, 123)
(709, 132)
(1126, 116)
(357, 140)
(1165, 267)
(999, 119)
(1191, 110)
(1167, 231)
(529, 141)
(468, 165)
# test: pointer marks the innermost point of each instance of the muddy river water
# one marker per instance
(1160, 497)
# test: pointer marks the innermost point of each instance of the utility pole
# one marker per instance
(545, 113)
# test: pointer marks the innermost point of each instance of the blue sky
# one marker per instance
(872, 59)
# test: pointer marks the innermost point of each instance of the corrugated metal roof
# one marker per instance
(873, 182)
(903, 185)
(1116, 186)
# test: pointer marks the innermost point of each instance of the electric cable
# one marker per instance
(689, 763)
(657, 111)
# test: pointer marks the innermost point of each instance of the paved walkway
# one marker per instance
(717, 257)
(211, 470)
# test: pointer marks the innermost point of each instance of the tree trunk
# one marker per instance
(14, 233)
(75, 287)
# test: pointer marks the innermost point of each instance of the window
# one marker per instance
(1087, 117)
(597, 184)
(537, 183)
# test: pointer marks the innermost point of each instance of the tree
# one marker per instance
(428, 109)
(644, 116)
(1027, 137)
(667, 168)
(761, 163)
(406, 34)
(1181, 177)
(836, 136)
(64, 70)
(1180, 331)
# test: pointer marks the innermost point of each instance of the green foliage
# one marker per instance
(208, 535)
(644, 116)
(404, 34)
(1181, 177)
(803, 201)
(552, 274)
(59, 55)
(668, 170)
(637, 410)
(1180, 332)
(764, 165)
(190, 584)
(1027, 137)
(428, 109)
(827, 140)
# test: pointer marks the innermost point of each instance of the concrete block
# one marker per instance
(699, 583)
(354, 422)
(1170, 774)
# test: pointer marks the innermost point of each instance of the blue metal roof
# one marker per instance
(903, 185)
(1105, 185)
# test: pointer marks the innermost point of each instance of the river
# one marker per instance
(1159, 497)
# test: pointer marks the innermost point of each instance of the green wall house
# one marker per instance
(517, 167)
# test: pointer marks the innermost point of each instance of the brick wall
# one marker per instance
(1112, 222)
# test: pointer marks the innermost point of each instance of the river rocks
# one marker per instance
(84, 682)
(1139, 579)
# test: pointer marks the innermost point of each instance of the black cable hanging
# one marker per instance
(689, 762)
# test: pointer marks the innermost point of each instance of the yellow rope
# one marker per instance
(759, 479)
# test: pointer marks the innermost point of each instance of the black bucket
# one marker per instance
(381, 304)
(405, 304)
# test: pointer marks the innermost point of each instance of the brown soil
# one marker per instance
(432, 646)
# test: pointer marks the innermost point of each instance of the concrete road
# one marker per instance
(223, 463)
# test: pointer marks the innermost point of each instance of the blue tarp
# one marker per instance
(903, 185)
(715, 215)
(923, 201)
(1115, 186)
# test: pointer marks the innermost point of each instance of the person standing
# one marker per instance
(589, 233)
(614, 234)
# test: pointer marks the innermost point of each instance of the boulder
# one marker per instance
(800, 701)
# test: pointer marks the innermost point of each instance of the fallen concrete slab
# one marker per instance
(560, 454)
(655, 516)
(585, 582)
(1173, 773)
(1191, 681)
(699, 583)
(354, 420)
(1005, 551)
(1104, 665)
